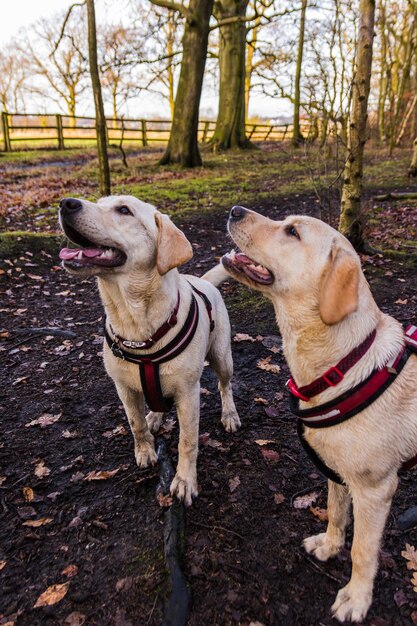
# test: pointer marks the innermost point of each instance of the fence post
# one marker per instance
(269, 132)
(61, 145)
(205, 131)
(144, 133)
(6, 134)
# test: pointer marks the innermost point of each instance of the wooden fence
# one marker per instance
(35, 131)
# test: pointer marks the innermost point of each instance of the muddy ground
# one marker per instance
(76, 511)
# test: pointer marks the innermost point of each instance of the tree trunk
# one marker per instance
(183, 142)
(101, 130)
(231, 118)
(412, 171)
(297, 136)
(350, 223)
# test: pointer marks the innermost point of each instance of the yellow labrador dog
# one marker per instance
(160, 325)
(325, 311)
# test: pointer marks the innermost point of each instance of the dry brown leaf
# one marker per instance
(75, 619)
(410, 555)
(234, 484)
(304, 502)
(321, 514)
(67, 434)
(243, 337)
(35, 523)
(44, 420)
(70, 571)
(164, 500)
(2, 564)
(21, 379)
(279, 498)
(270, 455)
(101, 474)
(41, 470)
(52, 595)
(28, 494)
(265, 364)
(413, 581)
(261, 401)
(3, 479)
(264, 442)
(401, 301)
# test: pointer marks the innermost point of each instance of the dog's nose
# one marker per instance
(237, 213)
(70, 205)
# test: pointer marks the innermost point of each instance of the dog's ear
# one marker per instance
(339, 291)
(173, 248)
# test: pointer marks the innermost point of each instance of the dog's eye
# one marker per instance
(292, 232)
(124, 210)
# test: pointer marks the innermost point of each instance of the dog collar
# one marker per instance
(334, 375)
(158, 334)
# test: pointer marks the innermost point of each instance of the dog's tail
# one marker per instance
(217, 275)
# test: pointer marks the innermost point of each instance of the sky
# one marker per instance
(21, 13)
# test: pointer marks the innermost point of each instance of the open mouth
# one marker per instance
(239, 263)
(90, 254)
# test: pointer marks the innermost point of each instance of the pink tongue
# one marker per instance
(69, 253)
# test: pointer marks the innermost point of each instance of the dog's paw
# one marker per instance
(352, 603)
(184, 488)
(321, 547)
(231, 422)
(145, 454)
(154, 421)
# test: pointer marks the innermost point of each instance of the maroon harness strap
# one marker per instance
(334, 375)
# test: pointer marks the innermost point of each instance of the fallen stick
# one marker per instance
(178, 601)
(396, 196)
(59, 332)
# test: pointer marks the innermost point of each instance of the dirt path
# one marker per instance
(76, 511)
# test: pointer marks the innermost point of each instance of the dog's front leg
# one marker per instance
(371, 506)
(184, 485)
(135, 410)
(328, 544)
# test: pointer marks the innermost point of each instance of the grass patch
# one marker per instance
(14, 243)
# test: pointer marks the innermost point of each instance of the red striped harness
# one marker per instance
(149, 363)
(352, 401)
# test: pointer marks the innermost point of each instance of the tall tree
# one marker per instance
(13, 75)
(231, 118)
(297, 136)
(101, 129)
(350, 223)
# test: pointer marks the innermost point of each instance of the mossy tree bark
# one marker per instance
(412, 171)
(183, 140)
(231, 118)
(351, 221)
(103, 159)
(297, 137)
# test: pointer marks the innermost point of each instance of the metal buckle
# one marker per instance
(117, 351)
(294, 390)
(136, 344)
(330, 371)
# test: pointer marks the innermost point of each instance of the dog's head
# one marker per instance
(120, 234)
(300, 259)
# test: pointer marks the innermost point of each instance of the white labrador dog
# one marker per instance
(152, 309)
(324, 310)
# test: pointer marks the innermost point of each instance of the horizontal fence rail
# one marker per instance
(21, 131)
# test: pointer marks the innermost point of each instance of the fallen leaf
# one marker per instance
(261, 401)
(75, 619)
(70, 571)
(3, 479)
(413, 581)
(321, 514)
(270, 455)
(124, 584)
(119, 430)
(264, 442)
(21, 379)
(67, 434)
(52, 595)
(234, 484)
(44, 420)
(41, 470)
(205, 392)
(35, 523)
(101, 474)
(2, 564)
(401, 301)
(410, 555)
(304, 502)
(279, 498)
(164, 500)
(265, 364)
(34, 277)
(204, 438)
(271, 411)
(243, 337)
(25, 512)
